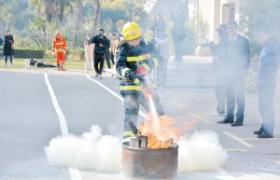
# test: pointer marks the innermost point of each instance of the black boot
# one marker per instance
(258, 132)
(238, 122)
(58, 67)
(227, 120)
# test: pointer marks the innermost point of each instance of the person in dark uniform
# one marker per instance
(219, 53)
(135, 61)
(102, 44)
(178, 33)
(1, 46)
(237, 66)
(161, 40)
(266, 80)
(8, 48)
(1, 41)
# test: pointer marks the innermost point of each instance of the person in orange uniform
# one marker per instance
(59, 50)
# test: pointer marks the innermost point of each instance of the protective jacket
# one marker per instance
(132, 60)
(59, 44)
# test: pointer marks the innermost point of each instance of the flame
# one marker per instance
(167, 130)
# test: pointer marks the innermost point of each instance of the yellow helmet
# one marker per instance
(131, 30)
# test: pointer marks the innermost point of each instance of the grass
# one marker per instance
(69, 64)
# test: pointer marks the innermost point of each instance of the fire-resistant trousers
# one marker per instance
(59, 57)
(131, 106)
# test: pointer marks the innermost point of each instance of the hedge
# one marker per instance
(29, 53)
(75, 54)
(71, 54)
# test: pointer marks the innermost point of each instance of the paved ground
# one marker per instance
(28, 121)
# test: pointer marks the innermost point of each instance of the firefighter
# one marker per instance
(59, 50)
(136, 62)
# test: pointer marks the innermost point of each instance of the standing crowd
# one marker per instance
(231, 64)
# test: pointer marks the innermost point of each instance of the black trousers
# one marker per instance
(98, 62)
(266, 95)
(161, 71)
(220, 89)
(236, 96)
(179, 49)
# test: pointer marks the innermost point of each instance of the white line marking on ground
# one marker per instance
(237, 150)
(111, 92)
(193, 114)
(200, 118)
(259, 139)
(238, 139)
(74, 173)
(224, 175)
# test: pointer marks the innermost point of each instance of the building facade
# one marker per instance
(215, 12)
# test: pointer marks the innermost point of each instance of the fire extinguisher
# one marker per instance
(145, 85)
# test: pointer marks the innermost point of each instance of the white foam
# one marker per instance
(91, 151)
(201, 152)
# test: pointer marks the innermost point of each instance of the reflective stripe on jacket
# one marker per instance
(59, 45)
(135, 59)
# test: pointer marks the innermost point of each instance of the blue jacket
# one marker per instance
(268, 64)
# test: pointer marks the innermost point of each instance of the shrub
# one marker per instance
(75, 55)
(29, 53)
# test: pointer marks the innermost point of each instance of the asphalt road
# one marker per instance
(28, 121)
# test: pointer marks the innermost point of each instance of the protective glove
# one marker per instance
(52, 53)
(133, 76)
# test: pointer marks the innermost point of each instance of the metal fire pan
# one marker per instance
(156, 164)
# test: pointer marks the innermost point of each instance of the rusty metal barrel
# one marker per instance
(143, 163)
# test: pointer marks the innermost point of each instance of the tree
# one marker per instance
(260, 14)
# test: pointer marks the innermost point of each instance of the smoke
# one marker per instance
(91, 151)
(102, 153)
(201, 152)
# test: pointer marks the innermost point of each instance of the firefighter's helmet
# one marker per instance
(131, 30)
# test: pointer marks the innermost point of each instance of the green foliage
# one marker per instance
(75, 54)
(260, 15)
(29, 53)
(190, 40)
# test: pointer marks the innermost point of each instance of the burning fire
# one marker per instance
(162, 134)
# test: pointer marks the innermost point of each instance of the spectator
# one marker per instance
(107, 52)
(1, 41)
(8, 48)
(266, 80)
(178, 34)
(237, 65)
(118, 40)
(1, 46)
(162, 45)
(101, 45)
(89, 52)
(219, 53)
(112, 44)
